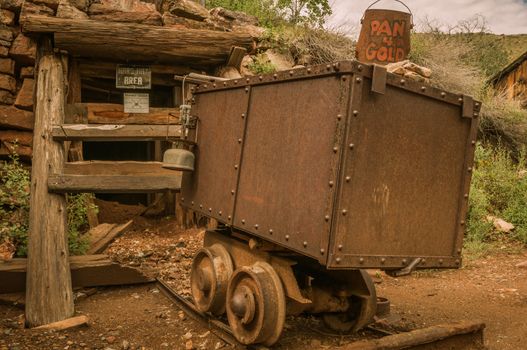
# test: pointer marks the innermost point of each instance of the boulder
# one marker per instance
(66, 10)
(48, 3)
(279, 60)
(79, 4)
(6, 34)
(522, 265)
(171, 20)
(24, 99)
(244, 68)
(4, 51)
(27, 72)
(254, 31)
(7, 83)
(7, 66)
(186, 8)
(24, 50)
(29, 8)
(500, 224)
(6, 98)
(11, 5)
(134, 11)
(234, 17)
(7, 17)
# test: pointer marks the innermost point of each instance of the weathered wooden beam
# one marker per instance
(86, 271)
(114, 184)
(112, 40)
(459, 335)
(112, 113)
(92, 132)
(116, 168)
(161, 75)
(103, 242)
(49, 295)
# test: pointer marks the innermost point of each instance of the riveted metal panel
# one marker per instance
(290, 162)
(210, 189)
(404, 172)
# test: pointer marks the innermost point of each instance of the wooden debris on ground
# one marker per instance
(86, 271)
(459, 335)
(65, 324)
(101, 236)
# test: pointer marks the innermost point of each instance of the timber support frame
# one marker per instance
(49, 295)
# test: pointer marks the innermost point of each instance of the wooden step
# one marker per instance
(115, 132)
(111, 113)
(114, 183)
(110, 168)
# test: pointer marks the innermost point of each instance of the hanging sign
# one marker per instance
(384, 37)
(136, 102)
(133, 77)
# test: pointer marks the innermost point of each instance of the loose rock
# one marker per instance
(7, 17)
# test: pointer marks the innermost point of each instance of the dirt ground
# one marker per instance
(490, 289)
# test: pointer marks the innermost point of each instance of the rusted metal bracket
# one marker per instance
(468, 107)
(405, 271)
(378, 79)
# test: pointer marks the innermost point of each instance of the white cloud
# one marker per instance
(503, 17)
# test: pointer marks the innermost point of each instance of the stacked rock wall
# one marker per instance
(17, 60)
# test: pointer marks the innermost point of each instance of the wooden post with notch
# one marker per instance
(49, 296)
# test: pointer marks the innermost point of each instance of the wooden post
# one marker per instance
(49, 296)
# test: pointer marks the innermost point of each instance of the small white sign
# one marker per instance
(136, 102)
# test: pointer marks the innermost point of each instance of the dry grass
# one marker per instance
(317, 46)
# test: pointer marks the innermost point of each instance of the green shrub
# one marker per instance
(499, 188)
(261, 65)
(14, 210)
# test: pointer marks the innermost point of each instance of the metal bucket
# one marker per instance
(385, 35)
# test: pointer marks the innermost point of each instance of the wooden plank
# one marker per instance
(235, 57)
(86, 271)
(115, 132)
(49, 295)
(113, 184)
(69, 323)
(112, 113)
(104, 242)
(464, 335)
(98, 69)
(161, 75)
(112, 168)
(100, 39)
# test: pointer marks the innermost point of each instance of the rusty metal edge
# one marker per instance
(341, 67)
(468, 166)
(418, 337)
(354, 104)
(216, 327)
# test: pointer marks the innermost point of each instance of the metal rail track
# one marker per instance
(455, 336)
(218, 328)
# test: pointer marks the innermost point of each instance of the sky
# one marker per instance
(502, 16)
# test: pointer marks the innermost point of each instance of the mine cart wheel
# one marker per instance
(256, 304)
(211, 270)
(361, 312)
